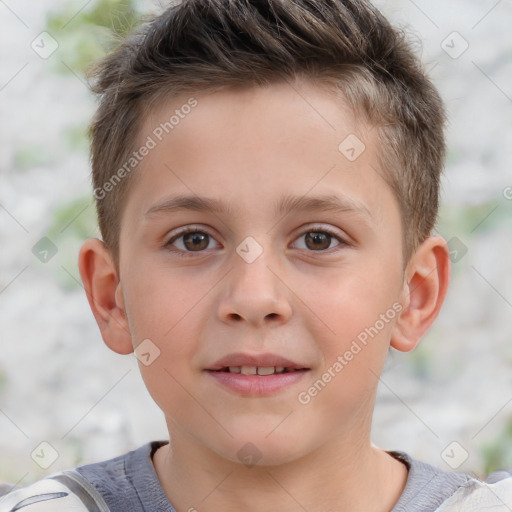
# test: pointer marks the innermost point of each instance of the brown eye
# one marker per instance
(190, 241)
(196, 241)
(318, 240)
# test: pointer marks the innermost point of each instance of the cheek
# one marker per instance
(355, 314)
(162, 302)
(165, 311)
(343, 387)
(351, 300)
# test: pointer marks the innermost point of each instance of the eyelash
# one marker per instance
(195, 229)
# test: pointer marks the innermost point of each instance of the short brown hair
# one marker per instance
(207, 45)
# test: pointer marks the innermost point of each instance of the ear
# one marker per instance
(104, 294)
(426, 282)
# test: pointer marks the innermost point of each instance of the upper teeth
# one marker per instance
(259, 370)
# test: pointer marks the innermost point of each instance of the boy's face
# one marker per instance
(257, 280)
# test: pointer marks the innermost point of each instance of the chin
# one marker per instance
(260, 446)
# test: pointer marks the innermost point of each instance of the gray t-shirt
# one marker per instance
(129, 483)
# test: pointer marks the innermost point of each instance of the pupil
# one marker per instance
(318, 238)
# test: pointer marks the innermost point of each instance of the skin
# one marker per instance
(304, 300)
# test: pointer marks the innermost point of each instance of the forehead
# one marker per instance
(246, 147)
(275, 107)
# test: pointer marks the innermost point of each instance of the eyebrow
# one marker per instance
(287, 204)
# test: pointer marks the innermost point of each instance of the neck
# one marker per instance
(337, 476)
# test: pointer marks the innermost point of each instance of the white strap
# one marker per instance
(475, 496)
(68, 491)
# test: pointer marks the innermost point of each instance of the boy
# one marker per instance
(233, 140)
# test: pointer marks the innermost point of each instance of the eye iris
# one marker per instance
(317, 237)
(198, 240)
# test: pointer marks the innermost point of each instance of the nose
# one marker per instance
(255, 293)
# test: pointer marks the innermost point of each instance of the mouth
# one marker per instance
(256, 374)
(255, 364)
(259, 370)
(257, 381)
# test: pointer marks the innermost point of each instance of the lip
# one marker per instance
(261, 360)
(256, 385)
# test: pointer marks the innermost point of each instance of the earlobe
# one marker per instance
(104, 294)
(427, 278)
